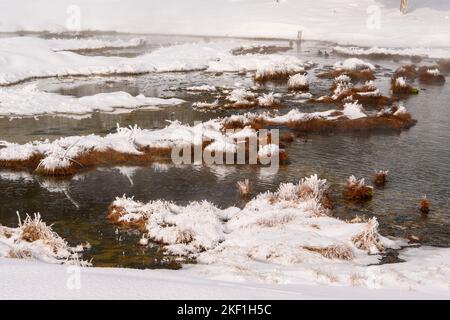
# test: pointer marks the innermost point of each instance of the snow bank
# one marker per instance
(364, 22)
(87, 44)
(353, 110)
(377, 52)
(23, 279)
(23, 58)
(30, 101)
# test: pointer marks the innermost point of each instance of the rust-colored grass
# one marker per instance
(429, 78)
(335, 252)
(356, 75)
(287, 137)
(343, 124)
(244, 188)
(30, 163)
(380, 177)
(405, 89)
(444, 66)
(275, 76)
(425, 205)
(382, 55)
(357, 190)
(408, 72)
(259, 50)
(115, 213)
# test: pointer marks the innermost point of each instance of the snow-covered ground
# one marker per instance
(22, 279)
(362, 22)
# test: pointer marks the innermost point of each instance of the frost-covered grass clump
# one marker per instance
(400, 86)
(352, 118)
(277, 72)
(244, 188)
(298, 82)
(380, 177)
(245, 99)
(343, 90)
(357, 189)
(356, 69)
(431, 75)
(34, 239)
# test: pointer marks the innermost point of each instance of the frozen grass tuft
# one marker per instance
(431, 75)
(259, 50)
(244, 188)
(298, 82)
(338, 252)
(279, 72)
(268, 101)
(357, 189)
(425, 205)
(34, 239)
(380, 177)
(369, 239)
(400, 86)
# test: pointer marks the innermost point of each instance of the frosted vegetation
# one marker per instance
(290, 229)
(34, 239)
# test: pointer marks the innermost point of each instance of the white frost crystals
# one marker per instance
(33, 239)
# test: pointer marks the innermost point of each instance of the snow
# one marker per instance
(405, 52)
(24, 58)
(400, 81)
(297, 81)
(363, 22)
(353, 64)
(354, 110)
(241, 95)
(51, 282)
(267, 100)
(28, 100)
(76, 44)
(434, 72)
(202, 88)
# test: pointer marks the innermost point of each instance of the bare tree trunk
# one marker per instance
(404, 6)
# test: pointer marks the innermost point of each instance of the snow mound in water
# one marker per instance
(30, 101)
(353, 64)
